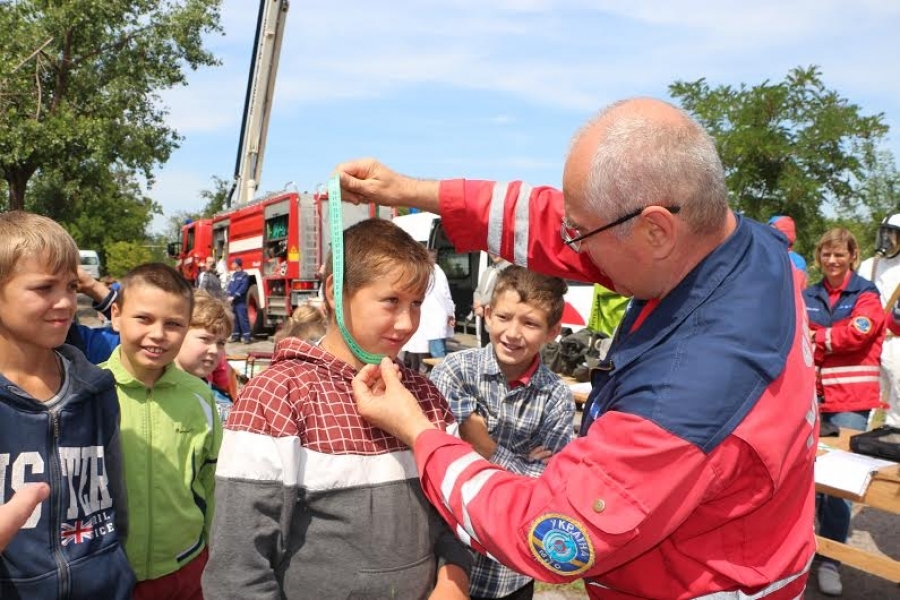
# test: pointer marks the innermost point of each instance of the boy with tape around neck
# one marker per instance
(170, 435)
(311, 501)
(59, 428)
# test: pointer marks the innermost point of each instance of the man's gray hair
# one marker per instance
(641, 161)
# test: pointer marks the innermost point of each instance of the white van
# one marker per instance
(90, 262)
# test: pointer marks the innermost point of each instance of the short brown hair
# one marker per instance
(212, 314)
(540, 291)
(837, 236)
(374, 247)
(307, 322)
(24, 234)
(160, 276)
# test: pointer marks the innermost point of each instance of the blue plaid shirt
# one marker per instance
(539, 413)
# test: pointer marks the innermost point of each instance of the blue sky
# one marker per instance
(495, 89)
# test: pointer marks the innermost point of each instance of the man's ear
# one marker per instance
(659, 230)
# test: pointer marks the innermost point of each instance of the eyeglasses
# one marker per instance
(572, 237)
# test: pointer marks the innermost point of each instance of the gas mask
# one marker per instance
(887, 241)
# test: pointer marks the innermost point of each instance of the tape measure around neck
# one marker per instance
(337, 269)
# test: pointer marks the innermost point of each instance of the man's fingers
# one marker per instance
(16, 511)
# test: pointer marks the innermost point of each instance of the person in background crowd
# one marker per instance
(786, 225)
(485, 291)
(514, 411)
(238, 286)
(208, 280)
(607, 310)
(307, 322)
(436, 325)
(694, 473)
(846, 328)
(883, 270)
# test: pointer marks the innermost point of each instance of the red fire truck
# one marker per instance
(282, 239)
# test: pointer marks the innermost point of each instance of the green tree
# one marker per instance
(794, 147)
(80, 83)
(121, 257)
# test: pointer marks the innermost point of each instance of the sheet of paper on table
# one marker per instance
(583, 387)
(847, 471)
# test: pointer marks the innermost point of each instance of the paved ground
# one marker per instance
(872, 530)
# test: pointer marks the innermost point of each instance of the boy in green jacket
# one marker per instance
(171, 434)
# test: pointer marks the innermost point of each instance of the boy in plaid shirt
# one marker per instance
(512, 409)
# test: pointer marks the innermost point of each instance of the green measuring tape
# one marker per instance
(337, 269)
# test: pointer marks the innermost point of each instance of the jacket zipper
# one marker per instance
(149, 495)
(56, 509)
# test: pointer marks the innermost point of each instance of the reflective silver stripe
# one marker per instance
(495, 217)
(852, 369)
(207, 410)
(770, 589)
(828, 340)
(453, 472)
(739, 595)
(860, 379)
(520, 248)
(469, 491)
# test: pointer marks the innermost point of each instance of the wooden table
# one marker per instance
(883, 493)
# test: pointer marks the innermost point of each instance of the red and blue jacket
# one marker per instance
(694, 477)
(849, 333)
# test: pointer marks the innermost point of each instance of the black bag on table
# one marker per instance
(883, 442)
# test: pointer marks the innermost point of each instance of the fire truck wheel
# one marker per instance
(255, 313)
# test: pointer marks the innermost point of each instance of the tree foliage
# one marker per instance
(80, 83)
(797, 148)
(123, 256)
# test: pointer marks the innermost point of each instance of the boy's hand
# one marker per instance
(385, 403)
(16, 511)
(540, 453)
(452, 584)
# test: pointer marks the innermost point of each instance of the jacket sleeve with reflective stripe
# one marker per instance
(516, 221)
(607, 485)
(848, 335)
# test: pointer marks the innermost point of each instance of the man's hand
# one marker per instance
(385, 403)
(367, 180)
(16, 511)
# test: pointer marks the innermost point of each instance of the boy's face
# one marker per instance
(152, 324)
(382, 315)
(518, 331)
(201, 352)
(37, 306)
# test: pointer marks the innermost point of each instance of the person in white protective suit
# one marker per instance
(883, 270)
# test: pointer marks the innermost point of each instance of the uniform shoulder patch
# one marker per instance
(561, 544)
(862, 324)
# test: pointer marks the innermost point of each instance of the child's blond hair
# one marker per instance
(212, 314)
(27, 235)
(307, 322)
(541, 291)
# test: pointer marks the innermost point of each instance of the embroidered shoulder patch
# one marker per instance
(862, 324)
(561, 544)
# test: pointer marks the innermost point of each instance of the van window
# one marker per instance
(90, 260)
